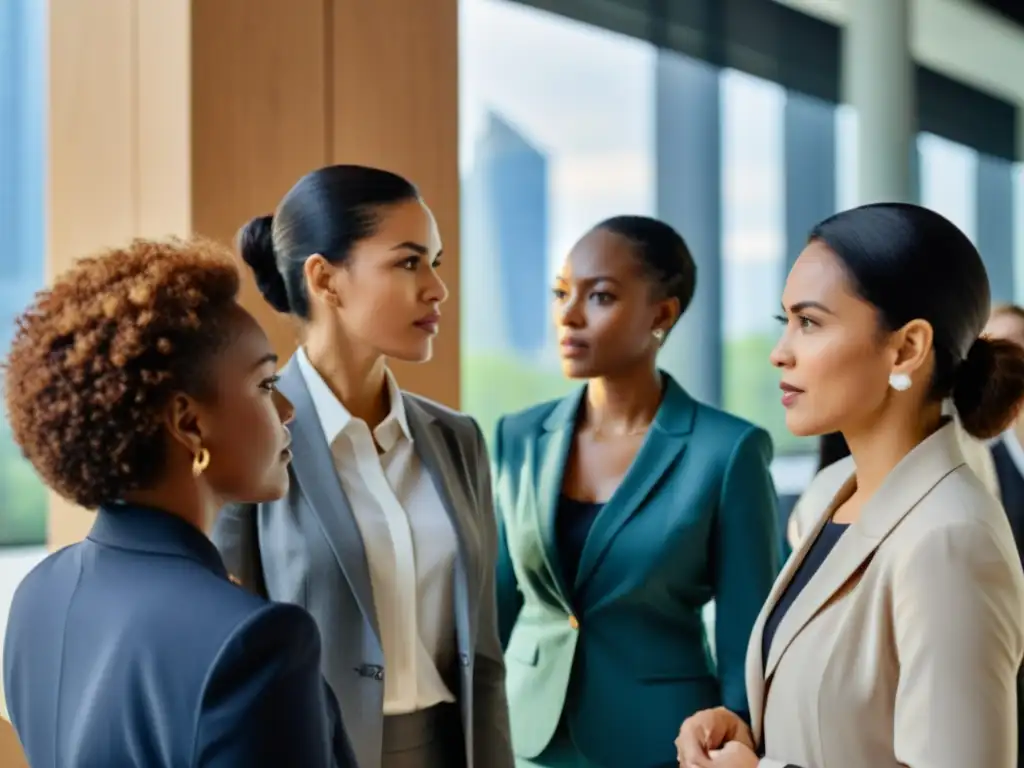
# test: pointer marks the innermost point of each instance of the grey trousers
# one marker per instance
(430, 738)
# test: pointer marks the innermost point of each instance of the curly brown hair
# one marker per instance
(97, 357)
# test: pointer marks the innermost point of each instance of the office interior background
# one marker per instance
(727, 118)
(723, 117)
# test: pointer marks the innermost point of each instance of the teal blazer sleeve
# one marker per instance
(746, 560)
(510, 599)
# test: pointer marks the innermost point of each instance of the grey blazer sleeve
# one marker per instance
(492, 741)
(236, 537)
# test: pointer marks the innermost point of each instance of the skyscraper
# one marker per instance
(505, 279)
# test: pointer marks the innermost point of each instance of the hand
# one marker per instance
(733, 755)
(708, 730)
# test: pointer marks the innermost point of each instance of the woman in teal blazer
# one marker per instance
(625, 508)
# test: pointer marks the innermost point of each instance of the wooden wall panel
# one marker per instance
(195, 115)
(93, 179)
(163, 134)
(259, 118)
(11, 753)
(395, 90)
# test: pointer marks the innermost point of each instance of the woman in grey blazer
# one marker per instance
(387, 535)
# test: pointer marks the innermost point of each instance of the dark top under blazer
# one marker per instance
(133, 649)
(693, 520)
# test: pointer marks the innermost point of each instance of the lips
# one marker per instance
(429, 323)
(789, 394)
(573, 347)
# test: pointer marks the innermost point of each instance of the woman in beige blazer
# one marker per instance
(894, 634)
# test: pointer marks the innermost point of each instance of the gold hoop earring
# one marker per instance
(200, 462)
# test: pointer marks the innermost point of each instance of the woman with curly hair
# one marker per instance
(138, 386)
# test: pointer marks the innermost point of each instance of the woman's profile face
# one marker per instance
(833, 357)
(242, 420)
(604, 309)
(389, 291)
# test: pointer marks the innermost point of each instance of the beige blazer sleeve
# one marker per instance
(957, 642)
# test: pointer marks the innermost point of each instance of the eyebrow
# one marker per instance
(270, 357)
(409, 245)
(591, 280)
(800, 306)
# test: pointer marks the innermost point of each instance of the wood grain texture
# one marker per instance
(11, 753)
(196, 115)
(93, 184)
(259, 110)
(395, 104)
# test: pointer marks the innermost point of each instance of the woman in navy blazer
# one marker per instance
(625, 508)
(138, 385)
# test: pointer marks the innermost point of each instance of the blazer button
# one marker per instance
(371, 671)
(573, 621)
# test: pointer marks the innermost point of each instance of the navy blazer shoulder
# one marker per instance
(133, 648)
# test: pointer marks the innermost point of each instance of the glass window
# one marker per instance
(556, 134)
(976, 192)
(753, 247)
(847, 195)
(948, 180)
(23, 92)
(1018, 233)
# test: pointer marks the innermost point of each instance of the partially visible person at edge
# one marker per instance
(1007, 450)
(626, 508)
(139, 387)
(388, 534)
(894, 634)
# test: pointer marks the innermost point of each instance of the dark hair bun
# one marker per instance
(989, 387)
(256, 244)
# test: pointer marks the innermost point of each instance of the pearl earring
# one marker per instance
(899, 381)
(658, 334)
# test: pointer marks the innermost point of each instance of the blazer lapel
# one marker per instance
(436, 447)
(551, 452)
(313, 468)
(662, 448)
(909, 482)
(755, 664)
